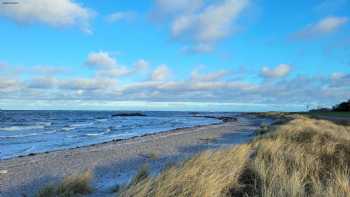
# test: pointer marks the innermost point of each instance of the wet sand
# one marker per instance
(116, 162)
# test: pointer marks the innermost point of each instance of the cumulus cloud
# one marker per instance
(141, 64)
(101, 58)
(121, 16)
(203, 25)
(107, 66)
(324, 26)
(162, 72)
(281, 70)
(57, 13)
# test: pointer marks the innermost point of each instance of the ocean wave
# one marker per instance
(97, 134)
(46, 124)
(82, 124)
(68, 128)
(20, 128)
(20, 135)
(27, 135)
(50, 132)
(102, 120)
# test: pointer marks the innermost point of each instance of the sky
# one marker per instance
(194, 55)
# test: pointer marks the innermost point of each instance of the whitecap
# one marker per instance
(94, 134)
(97, 134)
(20, 128)
(50, 132)
(67, 128)
(82, 124)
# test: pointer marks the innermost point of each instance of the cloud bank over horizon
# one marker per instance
(157, 86)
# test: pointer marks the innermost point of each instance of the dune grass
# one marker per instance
(71, 186)
(141, 174)
(303, 157)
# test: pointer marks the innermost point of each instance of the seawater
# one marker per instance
(26, 132)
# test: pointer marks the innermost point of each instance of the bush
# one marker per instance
(342, 107)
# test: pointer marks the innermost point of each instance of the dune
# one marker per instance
(304, 157)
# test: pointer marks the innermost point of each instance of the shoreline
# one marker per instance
(111, 141)
(115, 162)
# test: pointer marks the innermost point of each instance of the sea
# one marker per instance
(30, 132)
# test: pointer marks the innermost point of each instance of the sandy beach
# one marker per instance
(116, 162)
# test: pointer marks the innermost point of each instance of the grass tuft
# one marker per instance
(70, 187)
(141, 175)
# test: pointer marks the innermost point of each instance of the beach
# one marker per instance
(115, 162)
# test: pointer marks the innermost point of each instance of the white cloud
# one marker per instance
(121, 16)
(42, 83)
(325, 26)
(202, 24)
(329, 24)
(57, 13)
(217, 85)
(97, 59)
(212, 76)
(214, 22)
(107, 66)
(161, 73)
(87, 84)
(337, 75)
(185, 88)
(166, 8)
(141, 64)
(199, 87)
(112, 72)
(281, 70)
(9, 85)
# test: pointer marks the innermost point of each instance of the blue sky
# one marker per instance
(215, 55)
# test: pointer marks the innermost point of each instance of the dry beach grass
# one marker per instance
(304, 157)
(71, 186)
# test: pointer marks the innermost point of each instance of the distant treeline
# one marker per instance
(342, 107)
